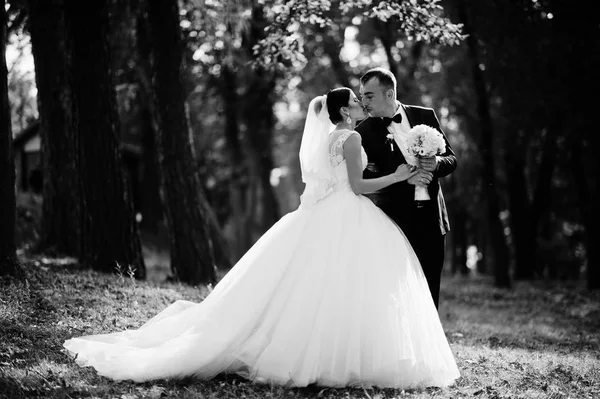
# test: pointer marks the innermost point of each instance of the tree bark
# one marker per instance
(387, 36)
(501, 255)
(109, 231)
(152, 206)
(542, 190)
(332, 46)
(122, 39)
(131, 66)
(238, 186)
(259, 118)
(589, 211)
(61, 211)
(520, 211)
(192, 246)
(459, 241)
(580, 32)
(9, 263)
(593, 237)
(458, 236)
(482, 241)
(260, 121)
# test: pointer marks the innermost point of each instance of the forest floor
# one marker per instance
(536, 340)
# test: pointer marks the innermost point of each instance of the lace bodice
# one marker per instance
(336, 157)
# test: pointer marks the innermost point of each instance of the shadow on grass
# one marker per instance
(528, 342)
(11, 388)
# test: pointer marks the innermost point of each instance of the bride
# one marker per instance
(331, 295)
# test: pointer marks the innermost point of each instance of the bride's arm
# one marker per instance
(355, 170)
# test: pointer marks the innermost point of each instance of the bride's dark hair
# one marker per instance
(336, 99)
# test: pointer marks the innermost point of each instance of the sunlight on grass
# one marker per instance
(529, 342)
(511, 370)
(158, 263)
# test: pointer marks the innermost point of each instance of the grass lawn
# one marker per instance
(534, 341)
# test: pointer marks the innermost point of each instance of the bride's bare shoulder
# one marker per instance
(336, 134)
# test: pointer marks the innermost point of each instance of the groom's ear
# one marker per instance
(390, 94)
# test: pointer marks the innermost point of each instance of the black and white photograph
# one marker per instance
(299, 199)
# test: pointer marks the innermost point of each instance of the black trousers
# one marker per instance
(423, 232)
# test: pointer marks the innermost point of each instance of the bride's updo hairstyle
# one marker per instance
(336, 99)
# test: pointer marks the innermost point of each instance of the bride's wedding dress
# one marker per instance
(332, 294)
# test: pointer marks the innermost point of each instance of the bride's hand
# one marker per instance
(404, 172)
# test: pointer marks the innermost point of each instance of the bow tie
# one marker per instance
(397, 119)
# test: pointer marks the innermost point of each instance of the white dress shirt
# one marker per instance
(400, 133)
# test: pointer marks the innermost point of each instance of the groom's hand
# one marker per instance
(422, 178)
(371, 167)
(430, 164)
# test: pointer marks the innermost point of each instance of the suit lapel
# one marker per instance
(410, 115)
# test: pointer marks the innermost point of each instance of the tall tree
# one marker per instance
(61, 212)
(580, 34)
(9, 263)
(130, 58)
(238, 186)
(333, 41)
(248, 95)
(523, 57)
(536, 105)
(259, 119)
(496, 230)
(192, 244)
(109, 231)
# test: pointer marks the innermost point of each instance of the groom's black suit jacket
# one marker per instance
(397, 200)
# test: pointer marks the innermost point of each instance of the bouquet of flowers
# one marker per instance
(424, 141)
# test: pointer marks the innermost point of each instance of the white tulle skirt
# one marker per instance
(331, 295)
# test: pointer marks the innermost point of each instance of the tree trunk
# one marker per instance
(525, 215)
(122, 39)
(520, 212)
(259, 118)
(593, 237)
(151, 203)
(332, 46)
(542, 191)
(152, 206)
(459, 241)
(458, 236)
(131, 66)
(238, 186)
(581, 32)
(61, 211)
(387, 35)
(590, 214)
(501, 255)
(9, 263)
(192, 248)
(482, 241)
(254, 203)
(260, 121)
(109, 231)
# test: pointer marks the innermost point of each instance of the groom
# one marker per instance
(425, 223)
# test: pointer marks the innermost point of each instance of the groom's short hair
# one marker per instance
(385, 77)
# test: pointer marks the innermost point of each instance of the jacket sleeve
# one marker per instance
(447, 161)
(372, 171)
